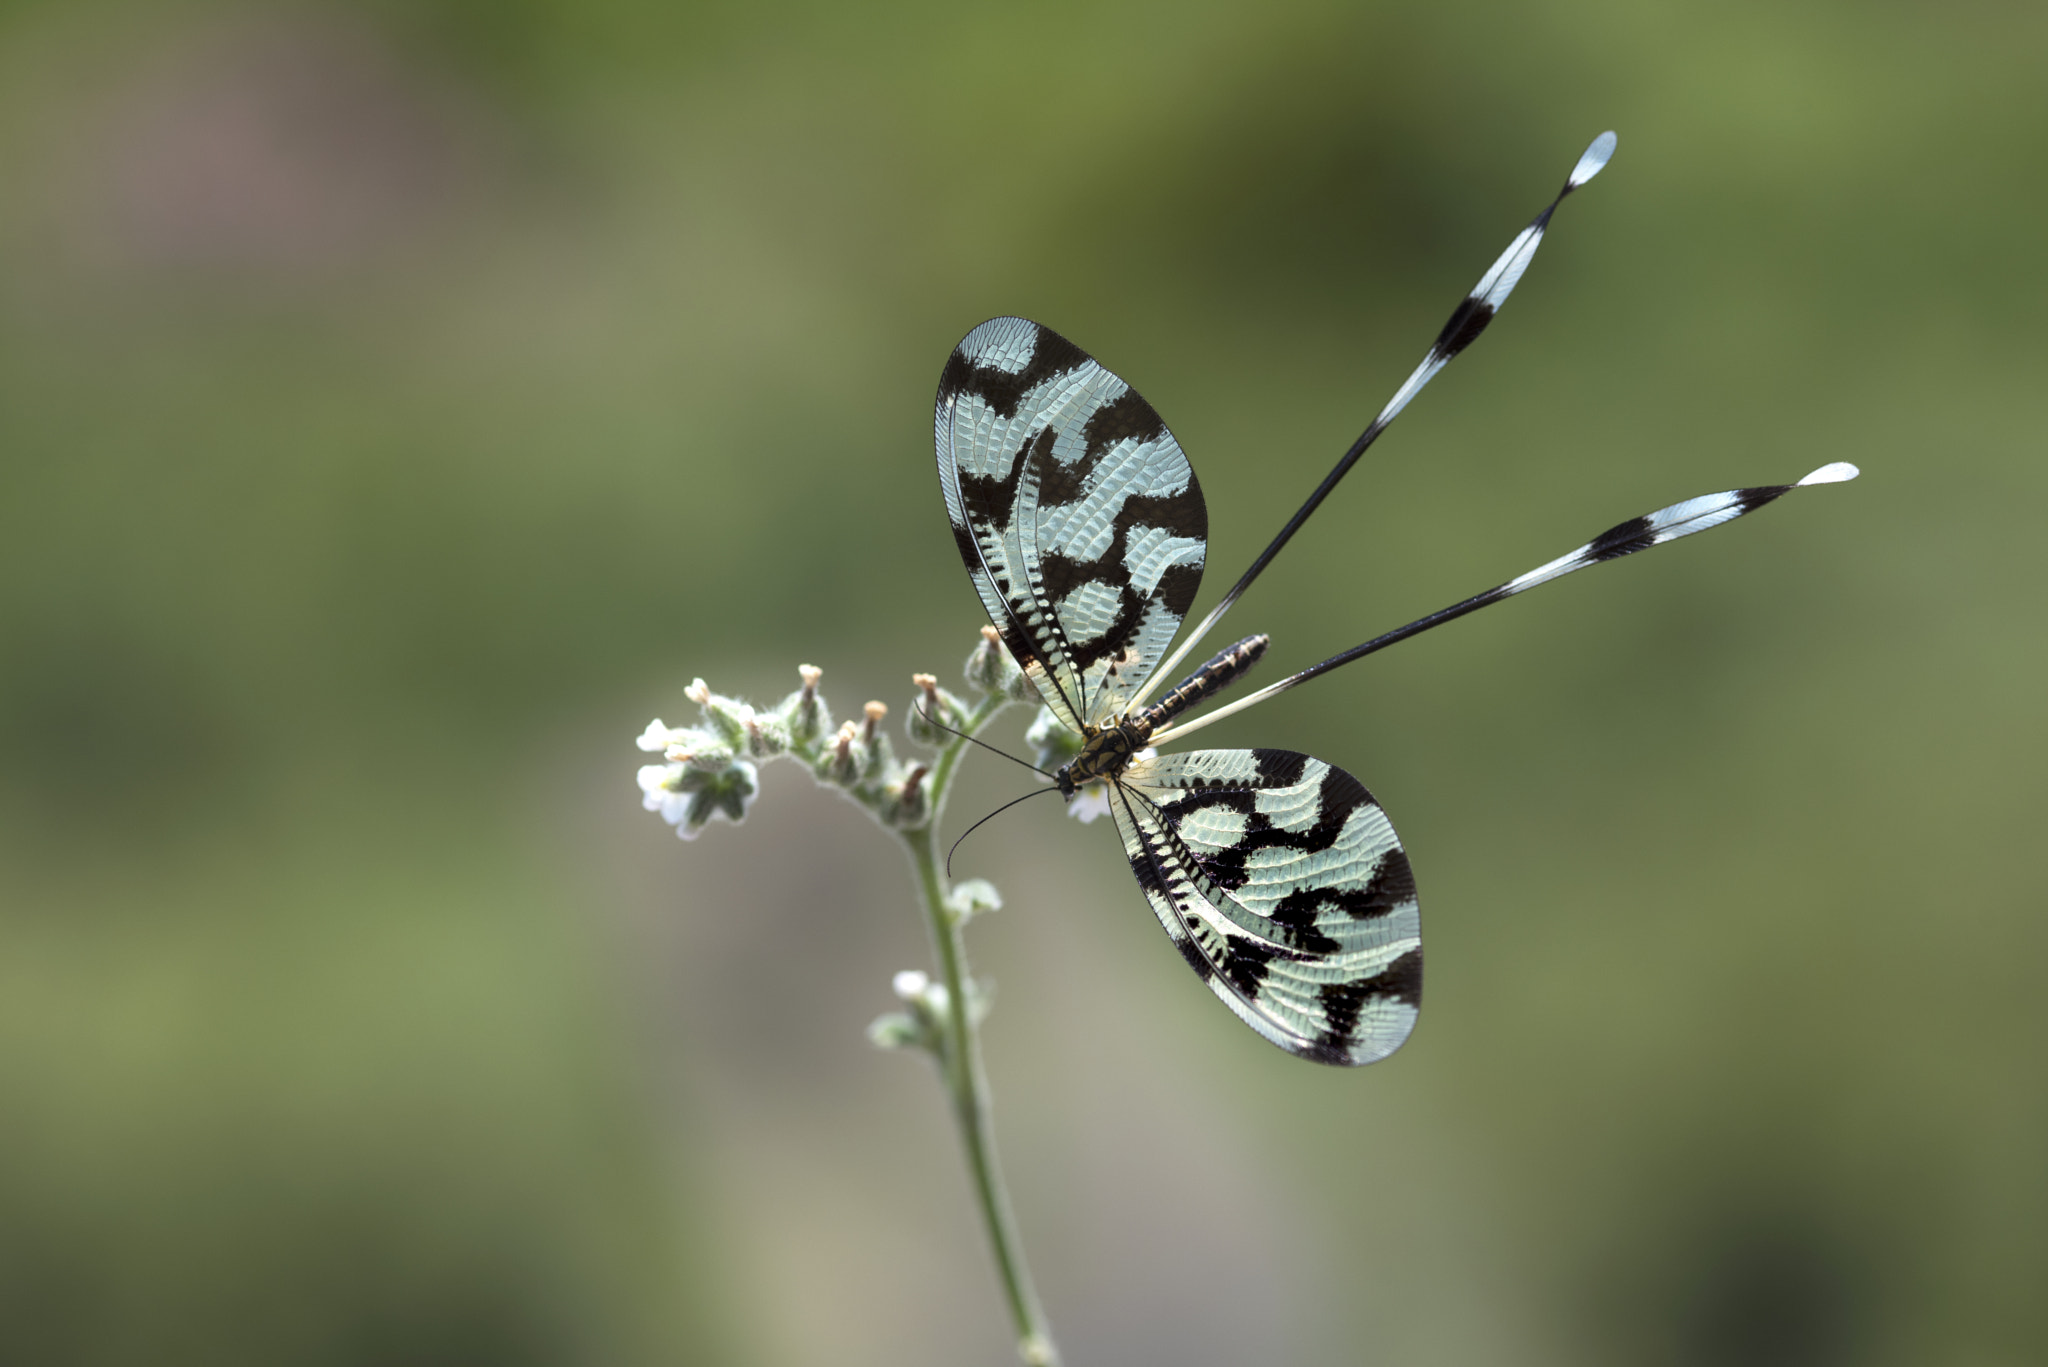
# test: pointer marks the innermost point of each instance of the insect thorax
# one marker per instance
(1108, 750)
(1105, 752)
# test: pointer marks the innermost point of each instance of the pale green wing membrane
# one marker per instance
(1078, 516)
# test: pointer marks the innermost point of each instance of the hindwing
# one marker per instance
(1283, 884)
(1075, 510)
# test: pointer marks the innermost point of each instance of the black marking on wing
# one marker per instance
(1654, 529)
(1324, 971)
(1391, 885)
(1753, 499)
(1344, 1002)
(993, 498)
(991, 502)
(1126, 418)
(1463, 328)
(1338, 797)
(1146, 867)
(1244, 963)
(1050, 461)
(1280, 768)
(1296, 914)
(1183, 513)
(1631, 536)
(1001, 389)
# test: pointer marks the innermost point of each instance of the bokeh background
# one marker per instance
(401, 402)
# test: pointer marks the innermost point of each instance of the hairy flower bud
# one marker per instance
(730, 718)
(1052, 741)
(880, 755)
(842, 760)
(898, 1030)
(923, 996)
(932, 704)
(708, 769)
(1018, 687)
(767, 735)
(804, 712)
(922, 1025)
(701, 751)
(908, 805)
(984, 668)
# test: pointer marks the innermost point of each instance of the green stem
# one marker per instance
(960, 1062)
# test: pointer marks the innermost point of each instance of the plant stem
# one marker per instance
(960, 1062)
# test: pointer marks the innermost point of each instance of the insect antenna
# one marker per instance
(990, 817)
(934, 721)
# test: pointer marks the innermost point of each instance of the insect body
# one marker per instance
(1107, 751)
(1084, 531)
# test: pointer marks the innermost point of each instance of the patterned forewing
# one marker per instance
(1283, 884)
(1075, 510)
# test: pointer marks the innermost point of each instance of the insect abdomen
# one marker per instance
(1224, 668)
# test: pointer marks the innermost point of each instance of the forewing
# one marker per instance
(1284, 886)
(1077, 514)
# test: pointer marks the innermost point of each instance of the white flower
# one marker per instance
(1093, 800)
(1090, 802)
(972, 897)
(656, 737)
(654, 783)
(688, 797)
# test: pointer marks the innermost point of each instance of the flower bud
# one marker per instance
(1051, 740)
(932, 704)
(1019, 687)
(984, 668)
(804, 711)
(923, 1024)
(729, 717)
(879, 753)
(767, 735)
(898, 1030)
(840, 762)
(908, 804)
(701, 751)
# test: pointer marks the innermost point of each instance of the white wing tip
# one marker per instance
(1596, 156)
(1841, 472)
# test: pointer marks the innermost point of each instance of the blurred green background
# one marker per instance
(400, 402)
